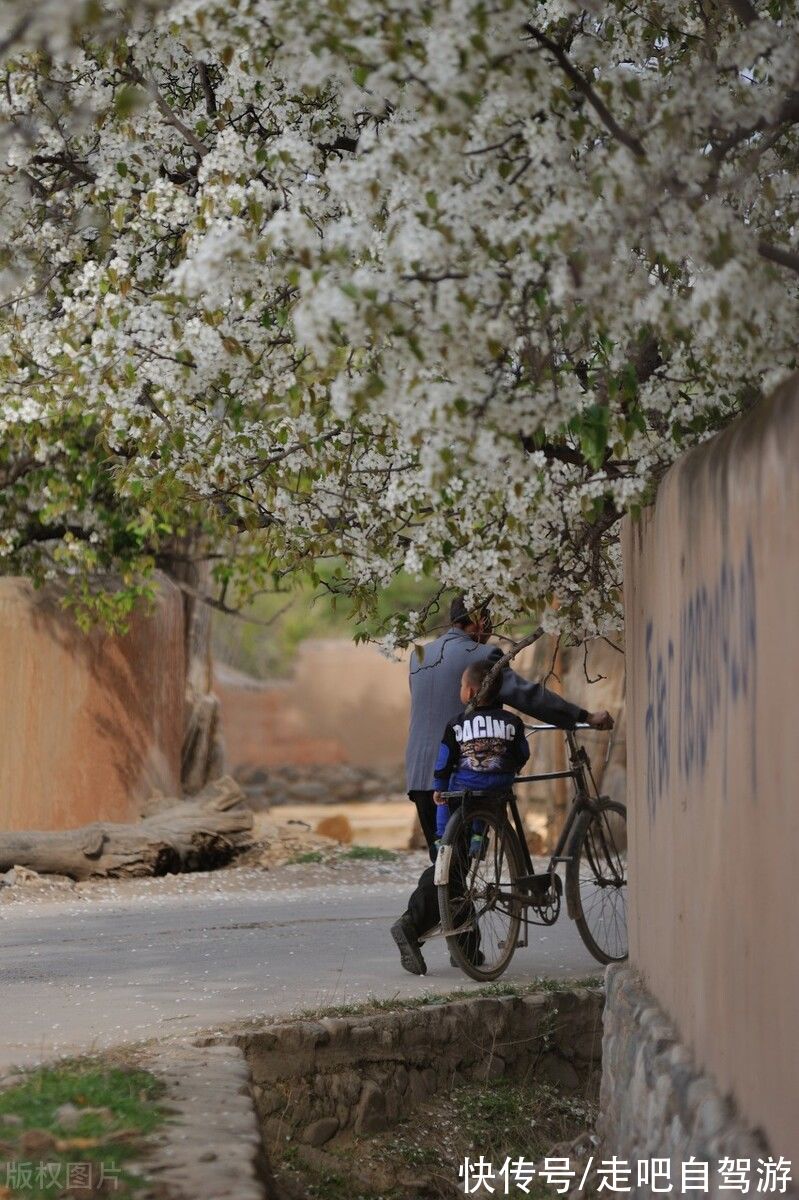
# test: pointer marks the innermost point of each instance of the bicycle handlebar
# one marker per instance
(539, 728)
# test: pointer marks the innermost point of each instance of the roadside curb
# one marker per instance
(211, 1145)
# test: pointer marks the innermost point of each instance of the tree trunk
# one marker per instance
(556, 817)
(203, 755)
(183, 835)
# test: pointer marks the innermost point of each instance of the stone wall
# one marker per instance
(656, 1102)
(91, 724)
(328, 783)
(712, 641)
(314, 1079)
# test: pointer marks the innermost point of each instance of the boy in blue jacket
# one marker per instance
(482, 750)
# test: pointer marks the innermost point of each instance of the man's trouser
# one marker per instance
(423, 903)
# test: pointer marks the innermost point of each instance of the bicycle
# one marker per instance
(488, 888)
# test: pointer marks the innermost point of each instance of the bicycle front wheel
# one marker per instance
(596, 880)
(479, 894)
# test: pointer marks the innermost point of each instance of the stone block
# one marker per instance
(492, 1067)
(337, 1028)
(587, 1046)
(362, 1035)
(345, 1087)
(269, 1100)
(321, 1131)
(275, 1130)
(712, 1117)
(558, 1071)
(392, 1103)
(370, 1116)
(343, 1114)
(430, 1080)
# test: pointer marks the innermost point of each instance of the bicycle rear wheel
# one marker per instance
(596, 880)
(478, 890)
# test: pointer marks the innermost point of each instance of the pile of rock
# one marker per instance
(330, 783)
(278, 842)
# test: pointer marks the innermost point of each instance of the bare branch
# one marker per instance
(228, 610)
(588, 678)
(618, 649)
(501, 663)
(172, 117)
(552, 673)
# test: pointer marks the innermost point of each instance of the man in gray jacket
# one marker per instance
(435, 701)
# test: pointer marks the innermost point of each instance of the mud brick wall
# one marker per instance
(712, 644)
(91, 724)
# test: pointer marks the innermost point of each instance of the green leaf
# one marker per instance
(128, 99)
(592, 429)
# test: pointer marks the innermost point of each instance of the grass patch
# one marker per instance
(508, 1119)
(378, 1004)
(419, 1158)
(337, 854)
(48, 1150)
(368, 854)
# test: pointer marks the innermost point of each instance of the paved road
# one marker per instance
(78, 975)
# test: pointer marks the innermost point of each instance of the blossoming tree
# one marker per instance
(443, 287)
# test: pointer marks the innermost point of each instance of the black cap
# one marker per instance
(460, 614)
(458, 611)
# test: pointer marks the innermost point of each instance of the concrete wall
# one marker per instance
(89, 725)
(712, 636)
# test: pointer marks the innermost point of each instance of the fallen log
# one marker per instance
(183, 835)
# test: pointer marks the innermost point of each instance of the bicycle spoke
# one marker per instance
(601, 881)
(478, 896)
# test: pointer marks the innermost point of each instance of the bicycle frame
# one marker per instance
(579, 772)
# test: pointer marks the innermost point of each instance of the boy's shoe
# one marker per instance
(477, 846)
(404, 935)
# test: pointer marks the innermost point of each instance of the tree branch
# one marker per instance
(501, 663)
(173, 119)
(633, 144)
(15, 33)
(167, 112)
(220, 606)
(778, 255)
(208, 90)
(744, 11)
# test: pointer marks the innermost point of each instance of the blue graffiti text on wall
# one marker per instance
(709, 670)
